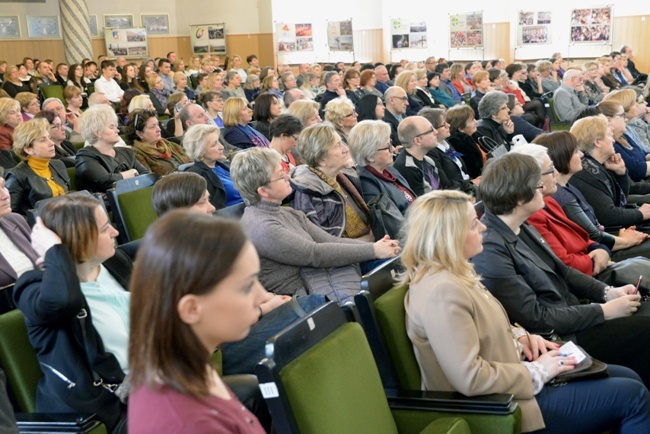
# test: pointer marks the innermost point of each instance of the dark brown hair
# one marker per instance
(561, 146)
(182, 253)
(508, 180)
(177, 190)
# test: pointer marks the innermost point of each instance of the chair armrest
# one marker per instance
(59, 422)
(452, 402)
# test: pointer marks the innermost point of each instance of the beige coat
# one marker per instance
(463, 342)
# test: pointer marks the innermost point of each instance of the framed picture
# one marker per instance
(155, 24)
(92, 21)
(9, 27)
(118, 21)
(46, 26)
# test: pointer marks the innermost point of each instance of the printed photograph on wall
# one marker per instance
(208, 38)
(408, 34)
(591, 25)
(339, 36)
(466, 30)
(155, 24)
(43, 26)
(530, 34)
(126, 42)
(118, 21)
(9, 27)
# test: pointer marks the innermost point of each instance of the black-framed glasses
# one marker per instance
(443, 125)
(550, 171)
(540, 186)
(403, 98)
(285, 175)
(620, 115)
(389, 147)
(429, 131)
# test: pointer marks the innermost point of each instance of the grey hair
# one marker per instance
(328, 76)
(49, 100)
(303, 109)
(92, 99)
(194, 143)
(94, 120)
(534, 150)
(543, 65)
(491, 103)
(366, 138)
(230, 75)
(315, 142)
(392, 91)
(253, 169)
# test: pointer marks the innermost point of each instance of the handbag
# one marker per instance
(491, 147)
(588, 369)
(627, 272)
(338, 284)
(385, 217)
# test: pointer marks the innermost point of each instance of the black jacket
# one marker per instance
(372, 186)
(493, 130)
(215, 186)
(391, 120)
(536, 289)
(450, 176)
(27, 188)
(50, 301)
(472, 155)
(97, 172)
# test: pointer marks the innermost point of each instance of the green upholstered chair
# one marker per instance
(130, 203)
(20, 364)
(556, 124)
(384, 320)
(320, 377)
(52, 91)
(73, 178)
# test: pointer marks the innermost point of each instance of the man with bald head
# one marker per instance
(302, 70)
(570, 99)
(396, 102)
(193, 114)
(292, 95)
(382, 78)
(418, 137)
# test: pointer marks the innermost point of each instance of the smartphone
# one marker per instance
(638, 284)
(178, 107)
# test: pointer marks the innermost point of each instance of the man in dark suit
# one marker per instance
(396, 102)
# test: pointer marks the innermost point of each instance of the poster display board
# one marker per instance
(466, 30)
(339, 36)
(408, 34)
(208, 38)
(592, 25)
(128, 43)
(294, 37)
(534, 28)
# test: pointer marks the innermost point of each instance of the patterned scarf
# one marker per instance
(255, 136)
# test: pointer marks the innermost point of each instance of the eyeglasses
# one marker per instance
(403, 98)
(351, 115)
(445, 124)
(57, 126)
(426, 132)
(550, 171)
(540, 186)
(390, 146)
(284, 176)
(619, 115)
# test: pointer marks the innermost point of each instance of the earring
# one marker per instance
(372, 160)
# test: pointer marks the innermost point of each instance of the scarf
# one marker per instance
(389, 177)
(255, 136)
(41, 167)
(161, 96)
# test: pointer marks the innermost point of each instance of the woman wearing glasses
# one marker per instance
(464, 340)
(495, 120)
(341, 113)
(65, 151)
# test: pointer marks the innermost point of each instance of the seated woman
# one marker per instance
(267, 107)
(463, 339)
(252, 87)
(351, 83)
(237, 132)
(65, 151)
(462, 127)
(407, 81)
(233, 87)
(201, 144)
(309, 86)
(372, 151)
(181, 190)
(459, 80)
(306, 111)
(371, 108)
(12, 83)
(214, 82)
(367, 82)
(270, 84)
(73, 99)
(175, 104)
(212, 102)
(156, 154)
(76, 310)
(422, 91)
(29, 105)
(495, 120)
(129, 78)
(439, 95)
(536, 289)
(16, 252)
(284, 133)
(194, 312)
(284, 238)
(38, 176)
(158, 94)
(341, 113)
(604, 181)
(10, 118)
(550, 79)
(534, 111)
(99, 166)
(180, 81)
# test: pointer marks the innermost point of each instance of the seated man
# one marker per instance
(570, 98)
(107, 84)
(396, 102)
(333, 88)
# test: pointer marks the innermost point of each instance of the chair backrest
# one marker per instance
(52, 91)
(33, 213)
(184, 167)
(73, 178)
(19, 361)
(232, 212)
(320, 376)
(383, 278)
(131, 205)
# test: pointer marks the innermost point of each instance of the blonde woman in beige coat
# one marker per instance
(464, 341)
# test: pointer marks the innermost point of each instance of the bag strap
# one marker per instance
(297, 308)
(97, 379)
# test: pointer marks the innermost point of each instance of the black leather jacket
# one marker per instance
(27, 188)
(97, 172)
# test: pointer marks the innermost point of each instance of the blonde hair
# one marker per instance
(303, 109)
(403, 79)
(624, 97)
(337, 109)
(231, 111)
(151, 80)
(7, 104)
(26, 133)
(435, 231)
(588, 130)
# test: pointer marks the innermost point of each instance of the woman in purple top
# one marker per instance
(180, 314)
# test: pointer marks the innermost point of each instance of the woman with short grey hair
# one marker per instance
(341, 113)
(495, 120)
(201, 144)
(284, 238)
(99, 166)
(233, 87)
(371, 149)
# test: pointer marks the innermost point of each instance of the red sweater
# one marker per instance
(568, 240)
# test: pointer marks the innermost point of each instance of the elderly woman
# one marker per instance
(267, 107)
(306, 111)
(201, 144)
(16, 252)
(328, 190)
(158, 94)
(29, 104)
(180, 81)
(65, 151)
(367, 82)
(252, 87)
(213, 102)
(309, 86)
(284, 238)
(10, 118)
(463, 339)
(495, 121)
(462, 127)
(13, 84)
(39, 176)
(99, 166)
(567, 160)
(284, 132)
(637, 131)
(351, 83)
(156, 154)
(214, 82)
(288, 81)
(140, 102)
(371, 108)
(342, 114)
(233, 87)
(237, 132)
(536, 289)
(371, 149)
(604, 181)
(408, 81)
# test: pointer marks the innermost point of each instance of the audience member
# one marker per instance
(158, 94)
(306, 111)
(570, 98)
(371, 107)
(107, 84)
(341, 113)
(284, 133)
(65, 151)
(462, 127)
(267, 107)
(396, 102)
(237, 132)
(10, 118)
(495, 121)
(418, 137)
